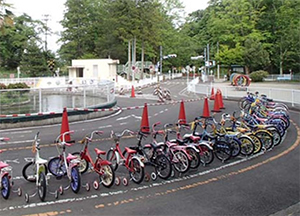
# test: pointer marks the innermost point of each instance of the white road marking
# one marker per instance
(96, 196)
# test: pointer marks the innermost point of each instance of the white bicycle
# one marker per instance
(36, 171)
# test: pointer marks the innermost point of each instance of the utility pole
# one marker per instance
(46, 19)
(160, 61)
(218, 66)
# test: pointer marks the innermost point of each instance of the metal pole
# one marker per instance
(40, 100)
(218, 67)
(129, 60)
(160, 62)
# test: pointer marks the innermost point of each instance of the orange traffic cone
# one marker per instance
(212, 95)
(221, 104)
(132, 92)
(65, 125)
(145, 121)
(216, 104)
(181, 117)
(205, 113)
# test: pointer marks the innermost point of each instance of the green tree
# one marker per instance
(33, 62)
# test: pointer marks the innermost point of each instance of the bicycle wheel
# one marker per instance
(222, 151)
(247, 145)
(235, 147)
(136, 171)
(266, 139)
(257, 143)
(113, 158)
(163, 166)
(181, 161)
(42, 187)
(242, 102)
(75, 179)
(83, 164)
(206, 154)
(107, 177)
(29, 171)
(57, 167)
(195, 161)
(5, 187)
(276, 135)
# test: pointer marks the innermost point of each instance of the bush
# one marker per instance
(17, 86)
(258, 76)
(2, 86)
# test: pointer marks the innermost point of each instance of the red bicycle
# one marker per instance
(129, 158)
(102, 167)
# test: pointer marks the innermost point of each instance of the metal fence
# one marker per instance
(287, 95)
(40, 100)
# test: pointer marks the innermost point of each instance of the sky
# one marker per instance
(38, 8)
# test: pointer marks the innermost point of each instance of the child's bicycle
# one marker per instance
(154, 156)
(132, 161)
(6, 176)
(36, 171)
(102, 167)
(64, 164)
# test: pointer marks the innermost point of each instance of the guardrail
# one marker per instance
(287, 95)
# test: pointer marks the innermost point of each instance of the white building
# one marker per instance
(90, 70)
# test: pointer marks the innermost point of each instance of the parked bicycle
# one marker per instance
(154, 156)
(133, 162)
(102, 167)
(64, 164)
(177, 154)
(222, 149)
(36, 171)
(6, 176)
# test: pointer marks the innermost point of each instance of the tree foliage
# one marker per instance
(257, 34)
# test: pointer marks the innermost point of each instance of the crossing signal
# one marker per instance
(51, 64)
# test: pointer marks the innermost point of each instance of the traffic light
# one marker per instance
(51, 64)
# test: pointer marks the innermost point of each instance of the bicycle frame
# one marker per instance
(121, 157)
(69, 160)
(85, 154)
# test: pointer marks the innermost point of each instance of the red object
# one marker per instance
(181, 117)
(217, 103)
(132, 92)
(212, 95)
(65, 125)
(145, 121)
(206, 113)
(221, 104)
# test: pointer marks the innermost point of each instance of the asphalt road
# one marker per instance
(264, 184)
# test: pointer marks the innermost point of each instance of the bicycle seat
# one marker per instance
(180, 141)
(129, 150)
(71, 157)
(3, 165)
(41, 161)
(99, 152)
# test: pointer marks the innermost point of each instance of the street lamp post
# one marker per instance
(196, 58)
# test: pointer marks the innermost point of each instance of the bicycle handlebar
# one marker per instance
(118, 136)
(4, 139)
(94, 132)
(63, 142)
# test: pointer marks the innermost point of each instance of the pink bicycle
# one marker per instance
(6, 177)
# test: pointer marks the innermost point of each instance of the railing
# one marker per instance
(286, 95)
(54, 99)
